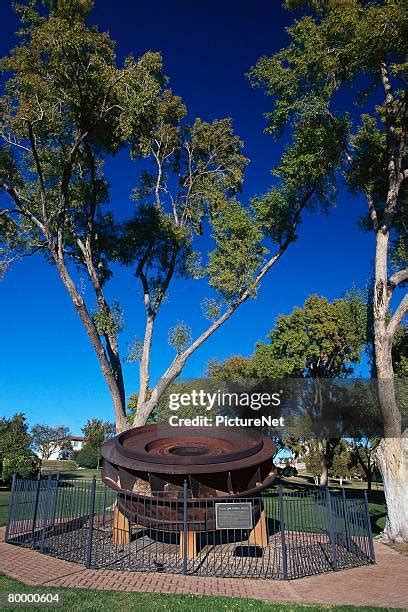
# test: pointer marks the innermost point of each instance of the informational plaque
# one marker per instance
(233, 516)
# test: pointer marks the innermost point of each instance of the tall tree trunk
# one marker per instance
(113, 382)
(324, 474)
(392, 457)
(392, 453)
(144, 377)
(369, 481)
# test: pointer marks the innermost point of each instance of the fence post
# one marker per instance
(46, 509)
(104, 505)
(330, 529)
(37, 498)
(283, 541)
(10, 506)
(91, 523)
(185, 528)
(370, 534)
(346, 519)
(55, 500)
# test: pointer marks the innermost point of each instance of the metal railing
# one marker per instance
(292, 534)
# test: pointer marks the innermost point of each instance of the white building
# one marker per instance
(77, 443)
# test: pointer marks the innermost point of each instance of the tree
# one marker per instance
(332, 46)
(313, 461)
(66, 108)
(288, 470)
(96, 432)
(363, 456)
(16, 457)
(234, 368)
(46, 439)
(341, 462)
(319, 341)
(88, 457)
(322, 340)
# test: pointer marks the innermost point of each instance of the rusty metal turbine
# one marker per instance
(154, 461)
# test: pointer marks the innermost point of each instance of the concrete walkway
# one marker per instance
(384, 584)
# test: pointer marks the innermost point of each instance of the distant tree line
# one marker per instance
(16, 454)
(22, 450)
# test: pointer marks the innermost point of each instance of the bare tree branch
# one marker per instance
(397, 317)
(397, 278)
(177, 364)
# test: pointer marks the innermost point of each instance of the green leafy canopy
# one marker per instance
(68, 105)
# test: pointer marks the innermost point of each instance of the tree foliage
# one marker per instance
(236, 368)
(67, 106)
(16, 456)
(312, 460)
(322, 339)
(341, 462)
(88, 457)
(46, 439)
(96, 432)
(341, 53)
(400, 352)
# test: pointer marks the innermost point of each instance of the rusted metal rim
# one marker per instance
(157, 459)
(156, 448)
(186, 445)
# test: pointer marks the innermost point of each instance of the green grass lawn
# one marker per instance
(88, 599)
(81, 474)
(58, 465)
(376, 498)
(4, 500)
(68, 470)
(64, 475)
(307, 479)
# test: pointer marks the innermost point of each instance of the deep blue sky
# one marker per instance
(47, 368)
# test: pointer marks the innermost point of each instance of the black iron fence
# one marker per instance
(282, 534)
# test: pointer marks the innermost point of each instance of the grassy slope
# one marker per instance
(112, 600)
(58, 465)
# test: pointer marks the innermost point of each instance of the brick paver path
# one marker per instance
(384, 584)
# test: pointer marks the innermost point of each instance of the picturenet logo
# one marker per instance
(208, 400)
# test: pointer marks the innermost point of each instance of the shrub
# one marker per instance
(289, 470)
(23, 463)
(15, 453)
(88, 457)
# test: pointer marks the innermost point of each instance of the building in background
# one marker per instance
(77, 443)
